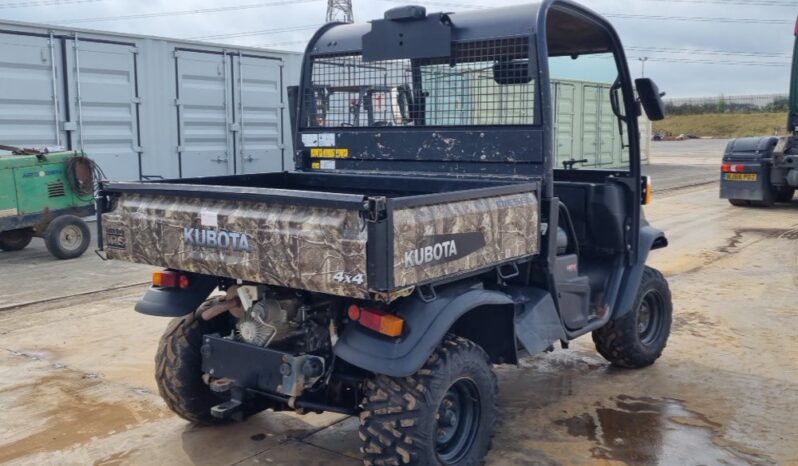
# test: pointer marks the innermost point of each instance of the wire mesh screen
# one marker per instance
(482, 83)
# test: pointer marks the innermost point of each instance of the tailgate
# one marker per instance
(297, 246)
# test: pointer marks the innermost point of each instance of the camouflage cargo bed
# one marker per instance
(362, 236)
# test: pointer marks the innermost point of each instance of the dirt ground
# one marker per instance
(76, 362)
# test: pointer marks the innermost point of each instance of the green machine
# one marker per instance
(46, 195)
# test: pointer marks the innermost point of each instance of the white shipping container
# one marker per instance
(146, 107)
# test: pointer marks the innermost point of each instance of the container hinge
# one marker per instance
(136, 100)
(427, 293)
(138, 149)
(376, 209)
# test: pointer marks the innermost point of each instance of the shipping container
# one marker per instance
(146, 107)
(586, 128)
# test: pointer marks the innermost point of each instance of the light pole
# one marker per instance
(643, 61)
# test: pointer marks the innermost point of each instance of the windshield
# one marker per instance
(483, 83)
(589, 128)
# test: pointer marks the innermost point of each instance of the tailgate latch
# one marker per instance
(376, 209)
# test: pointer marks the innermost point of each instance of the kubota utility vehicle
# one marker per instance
(425, 235)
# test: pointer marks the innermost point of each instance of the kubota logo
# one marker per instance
(444, 248)
(216, 239)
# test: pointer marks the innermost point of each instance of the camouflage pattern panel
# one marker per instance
(435, 241)
(308, 248)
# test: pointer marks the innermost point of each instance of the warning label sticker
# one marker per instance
(331, 153)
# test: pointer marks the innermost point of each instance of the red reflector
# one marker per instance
(166, 279)
(183, 281)
(381, 322)
(353, 312)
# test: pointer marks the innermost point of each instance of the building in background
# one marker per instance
(146, 107)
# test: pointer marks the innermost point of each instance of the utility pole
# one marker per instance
(643, 61)
(340, 11)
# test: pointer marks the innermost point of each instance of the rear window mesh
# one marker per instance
(482, 83)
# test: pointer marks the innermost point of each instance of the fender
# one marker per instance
(177, 302)
(426, 324)
(650, 239)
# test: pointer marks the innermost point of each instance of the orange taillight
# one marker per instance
(377, 320)
(169, 279)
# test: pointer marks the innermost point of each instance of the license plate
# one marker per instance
(741, 176)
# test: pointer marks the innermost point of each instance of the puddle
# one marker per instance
(649, 431)
(69, 410)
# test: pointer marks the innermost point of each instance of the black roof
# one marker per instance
(494, 23)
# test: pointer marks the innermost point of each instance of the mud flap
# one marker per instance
(537, 323)
(177, 302)
(650, 239)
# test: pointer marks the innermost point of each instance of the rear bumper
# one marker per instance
(255, 367)
(747, 190)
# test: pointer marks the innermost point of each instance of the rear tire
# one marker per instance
(178, 368)
(15, 240)
(638, 338)
(444, 414)
(67, 237)
(785, 194)
(739, 202)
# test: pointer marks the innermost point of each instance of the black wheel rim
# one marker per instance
(650, 318)
(457, 421)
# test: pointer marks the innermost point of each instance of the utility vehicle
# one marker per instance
(425, 235)
(761, 171)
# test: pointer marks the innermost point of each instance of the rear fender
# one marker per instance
(426, 324)
(177, 302)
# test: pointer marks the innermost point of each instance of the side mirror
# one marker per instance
(651, 99)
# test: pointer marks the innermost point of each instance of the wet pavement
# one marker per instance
(76, 382)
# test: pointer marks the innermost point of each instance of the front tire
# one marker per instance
(15, 240)
(638, 338)
(444, 414)
(178, 368)
(67, 237)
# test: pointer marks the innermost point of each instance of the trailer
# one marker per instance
(146, 107)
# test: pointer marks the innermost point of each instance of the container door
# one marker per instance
(204, 113)
(564, 104)
(591, 107)
(609, 143)
(31, 92)
(258, 111)
(103, 105)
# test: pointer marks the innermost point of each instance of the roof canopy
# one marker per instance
(569, 28)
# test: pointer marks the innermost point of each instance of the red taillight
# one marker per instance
(796, 27)
(169, 279)
(377, 320)
(732, 168)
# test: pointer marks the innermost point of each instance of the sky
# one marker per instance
(694, 48)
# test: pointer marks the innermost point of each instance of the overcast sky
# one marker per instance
(688, 57)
